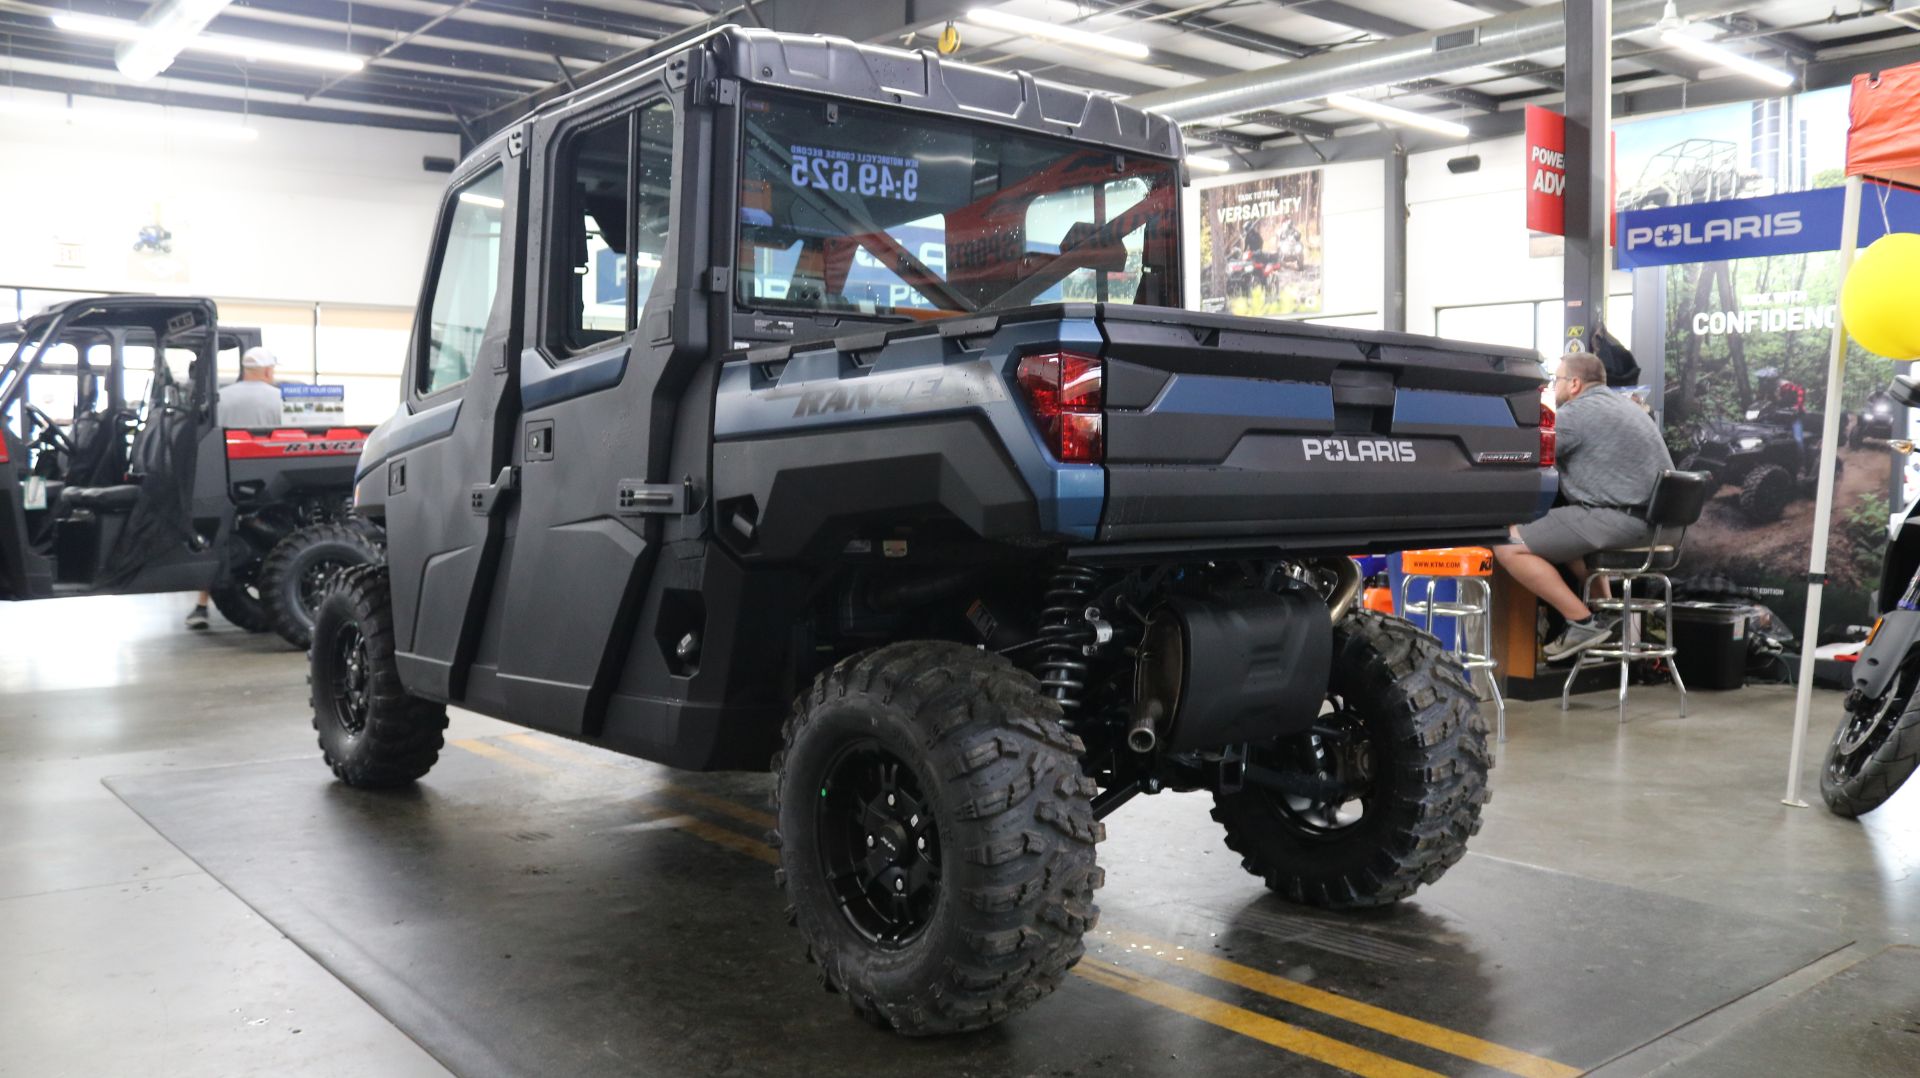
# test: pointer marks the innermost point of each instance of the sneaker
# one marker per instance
(197, 618)
(1578, 636)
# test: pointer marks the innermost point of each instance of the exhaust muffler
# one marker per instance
(1227, 669)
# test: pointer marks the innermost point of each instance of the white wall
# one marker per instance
(315, 233)
(1467, 241)
(307, 212)
(1353, 196)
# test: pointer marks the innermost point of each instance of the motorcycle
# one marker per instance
(1878, 743)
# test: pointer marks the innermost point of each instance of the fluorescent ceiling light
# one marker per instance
(130, 122)
(1701, 49)
(165, 29)
(245, 48)
(1209, 164)
(1398, 117)
(474, 198)
(994, 19)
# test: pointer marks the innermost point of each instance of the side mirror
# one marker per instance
(1905, 390)
(1079, 248)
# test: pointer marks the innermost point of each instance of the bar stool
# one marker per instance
(1678, 498)
(1471, 608)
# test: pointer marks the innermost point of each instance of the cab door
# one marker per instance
(583, 535)
(448, 470)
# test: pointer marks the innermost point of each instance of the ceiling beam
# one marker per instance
(151, 95)
(456, 68)
(1790, 43)
(1345, 14)
(1377, 144)
(197, 79)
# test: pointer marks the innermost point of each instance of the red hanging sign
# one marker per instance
(1546, 171)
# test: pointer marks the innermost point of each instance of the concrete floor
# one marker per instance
(120, 954)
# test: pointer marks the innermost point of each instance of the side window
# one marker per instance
(464, 283)
(615, 182)
(653, 213)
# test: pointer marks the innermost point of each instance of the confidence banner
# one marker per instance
(1260, 246)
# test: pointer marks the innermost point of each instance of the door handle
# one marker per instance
(637, 498)
(489, 497)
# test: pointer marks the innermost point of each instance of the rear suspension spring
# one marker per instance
(1065, 634)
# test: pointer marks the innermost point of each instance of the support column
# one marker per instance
(1589, 119)
(1393, 287)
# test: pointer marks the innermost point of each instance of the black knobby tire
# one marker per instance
(1424, 772)
(242, 607)
(1008, 836)
(1765, 492)
(1876, 748)
(298, 571)
(372, 732)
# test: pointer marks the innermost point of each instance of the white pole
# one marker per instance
(1823, 503)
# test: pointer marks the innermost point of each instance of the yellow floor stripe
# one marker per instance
(557, 749)
(496, 753)
(732, 840)
(719, 804)
(1239, 1020)
(1300, 1042)
(1511, 1060)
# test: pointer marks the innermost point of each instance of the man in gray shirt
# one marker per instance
(253, 401)
(1610, 455)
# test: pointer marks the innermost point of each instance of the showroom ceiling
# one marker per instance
(469, 65)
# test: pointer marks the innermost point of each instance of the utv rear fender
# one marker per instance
(814, 442)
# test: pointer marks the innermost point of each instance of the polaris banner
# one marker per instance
(1799, 222)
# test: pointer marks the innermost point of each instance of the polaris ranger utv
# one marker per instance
(116, 477)
(788, 399)
(1761, 456)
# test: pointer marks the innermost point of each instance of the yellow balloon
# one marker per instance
(1880, 300)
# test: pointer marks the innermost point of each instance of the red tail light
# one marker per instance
(1064, 394)
(1546, 436)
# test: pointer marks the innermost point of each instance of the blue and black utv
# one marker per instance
(787, 400)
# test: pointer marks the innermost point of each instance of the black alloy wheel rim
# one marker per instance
(315, 582)
(352, 680)
(1339, 749)
(879, 849)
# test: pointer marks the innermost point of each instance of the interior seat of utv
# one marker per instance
(148, 445)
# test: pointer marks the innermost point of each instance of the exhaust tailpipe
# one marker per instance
(1143, 733)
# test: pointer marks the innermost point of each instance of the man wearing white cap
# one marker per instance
(253, 401)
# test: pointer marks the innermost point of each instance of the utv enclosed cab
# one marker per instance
(116, 476)
(783, 394)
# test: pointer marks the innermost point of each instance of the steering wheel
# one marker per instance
(50, 431)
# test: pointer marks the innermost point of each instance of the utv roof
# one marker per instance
(899, 78)
(88, 311)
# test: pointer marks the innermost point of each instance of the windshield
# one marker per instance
(849, 208)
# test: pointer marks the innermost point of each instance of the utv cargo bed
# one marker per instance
(1219, 431)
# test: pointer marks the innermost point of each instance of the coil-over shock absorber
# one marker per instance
(1066, 634)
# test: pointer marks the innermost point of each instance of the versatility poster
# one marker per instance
(1260, 247)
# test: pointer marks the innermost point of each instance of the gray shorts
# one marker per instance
(1573, 531)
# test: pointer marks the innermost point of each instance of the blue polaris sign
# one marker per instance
(1787, 224)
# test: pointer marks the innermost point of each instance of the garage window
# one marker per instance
(464, 286)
